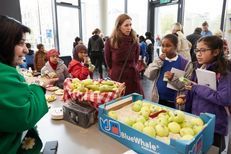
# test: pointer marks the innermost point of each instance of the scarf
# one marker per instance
(54, 66)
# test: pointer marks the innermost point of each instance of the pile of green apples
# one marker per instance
(97, 86)
(167, 124)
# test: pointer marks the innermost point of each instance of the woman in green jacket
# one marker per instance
(21, 105)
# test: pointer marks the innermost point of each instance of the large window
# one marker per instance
(198, 11)
(37, 14)
(90, 18)
(137, 9)
(68, 28)
(165, 17)
(115, 8)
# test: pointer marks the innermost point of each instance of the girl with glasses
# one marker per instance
(200, 98)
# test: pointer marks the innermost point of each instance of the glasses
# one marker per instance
(201, 50)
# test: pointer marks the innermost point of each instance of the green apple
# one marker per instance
(174, 127)
(186, 123)
(150, 131)
(146, 123)
(171, 116)
(146, 104)
(186, 131)
(164, 114)
(113, 115)
(152, 108)
(139, 102)
(197, 121)
(152, 123)
(136, 107)
(138, 126)
(197, 129)
(187, 137)
(161, 130)
(162, 120)
(141, 119)
(158, 108)
(145, 112)
(179, 116)
(129, 121)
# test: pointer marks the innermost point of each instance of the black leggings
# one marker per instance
(219, 141)
(97, 60)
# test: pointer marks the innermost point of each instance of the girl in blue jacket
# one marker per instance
(200, 98)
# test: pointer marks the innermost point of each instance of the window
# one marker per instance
(198, 11)
(90, 18)
(115, 8)
(68, 28)
(37, 15)
(137, 10)
(165, 17)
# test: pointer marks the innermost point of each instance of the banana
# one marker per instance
(87, 82)
(93, 87)
(106, 88)
(107, 82)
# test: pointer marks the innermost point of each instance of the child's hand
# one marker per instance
(47, 82)
(162, 56)
(86, 60)
(168, 75)
(188, 87)
(181, 99)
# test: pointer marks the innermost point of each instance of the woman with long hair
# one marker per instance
(122, 53)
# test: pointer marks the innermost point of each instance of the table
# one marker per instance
(73, 139)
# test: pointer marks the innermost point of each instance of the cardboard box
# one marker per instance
(141, 143)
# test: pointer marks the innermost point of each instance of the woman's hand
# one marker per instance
(48, 81)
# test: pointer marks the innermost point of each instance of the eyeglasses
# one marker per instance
(201, 50)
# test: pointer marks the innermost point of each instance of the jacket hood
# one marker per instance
(95, 37)
(31, 52)
(72, 64)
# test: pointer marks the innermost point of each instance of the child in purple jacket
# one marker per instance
(200, 98)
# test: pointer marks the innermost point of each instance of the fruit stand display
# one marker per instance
(148, 127)
(95, 92)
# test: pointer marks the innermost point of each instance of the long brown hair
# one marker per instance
(117, 34)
